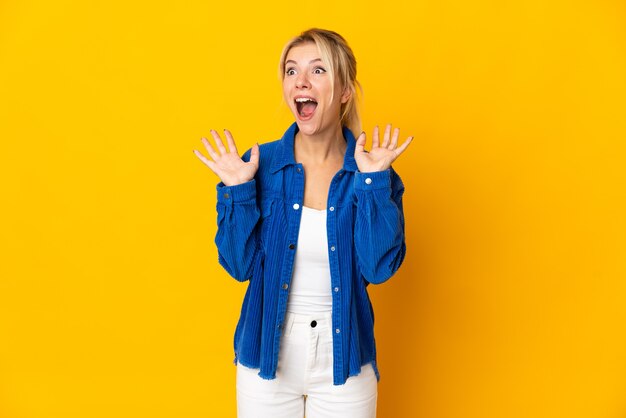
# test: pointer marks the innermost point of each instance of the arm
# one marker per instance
(379, 227)
(237, 219)
(237, 210)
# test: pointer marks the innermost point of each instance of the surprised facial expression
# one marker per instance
(307, 90)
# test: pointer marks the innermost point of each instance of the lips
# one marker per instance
(305, 106)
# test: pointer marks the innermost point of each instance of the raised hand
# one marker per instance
(380, 157)
(228, 165)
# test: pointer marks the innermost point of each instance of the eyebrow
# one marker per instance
(310, 62)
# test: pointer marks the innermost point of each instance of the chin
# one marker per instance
(307, 128)
(314, 125)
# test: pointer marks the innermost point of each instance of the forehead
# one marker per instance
(303, 53)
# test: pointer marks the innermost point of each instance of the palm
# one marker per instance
(380, 157)
(377, 159)
(231, 168)
(227, 164)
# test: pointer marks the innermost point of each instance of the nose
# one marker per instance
(302, 81)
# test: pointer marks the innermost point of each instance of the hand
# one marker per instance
(230, 168)
(379, 158)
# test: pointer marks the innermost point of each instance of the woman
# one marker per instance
(310, 220)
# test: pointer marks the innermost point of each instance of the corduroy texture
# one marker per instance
(258, 225)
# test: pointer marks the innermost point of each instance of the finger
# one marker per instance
(210, 149)
(254, 155)
(402, 147)
(386, 137)
(218, 142)
(360, 143)
(375, 137)
(394, 139)
(205, 160)
(231, 142)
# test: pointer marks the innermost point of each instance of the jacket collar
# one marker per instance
(285, 155)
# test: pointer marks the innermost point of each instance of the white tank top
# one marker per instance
(310, 290)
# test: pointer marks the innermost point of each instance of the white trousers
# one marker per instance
(304, 378)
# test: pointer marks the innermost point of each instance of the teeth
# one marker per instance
(304, 99)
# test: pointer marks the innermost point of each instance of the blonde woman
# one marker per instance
(310, 220)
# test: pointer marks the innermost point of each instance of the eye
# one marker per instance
(319, 70)
(290, 71)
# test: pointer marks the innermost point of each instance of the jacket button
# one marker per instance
(368, 181)
(336, 289)
(292, 246)
(332, 248)
(285, 285)
(313, 324)
(296, 206)
(226, 196)
(337, 331)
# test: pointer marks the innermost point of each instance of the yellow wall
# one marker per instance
(512, 300)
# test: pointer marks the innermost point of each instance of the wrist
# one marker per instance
(372, 180)
(236, 193)
(237, 182)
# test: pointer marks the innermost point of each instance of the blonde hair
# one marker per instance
(338, 56)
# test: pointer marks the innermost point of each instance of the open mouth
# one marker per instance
(306, 107)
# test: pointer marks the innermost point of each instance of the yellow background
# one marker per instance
(512, 300)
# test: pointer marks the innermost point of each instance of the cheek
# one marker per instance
(286, 93)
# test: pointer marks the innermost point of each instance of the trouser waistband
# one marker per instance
(317, 320)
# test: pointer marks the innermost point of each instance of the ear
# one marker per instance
(345, 96)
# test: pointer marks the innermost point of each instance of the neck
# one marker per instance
(320, 147)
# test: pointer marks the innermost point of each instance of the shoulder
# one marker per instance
(266, 151)
(266, 183)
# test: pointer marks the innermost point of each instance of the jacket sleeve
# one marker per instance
(237, 218)
(379, 227)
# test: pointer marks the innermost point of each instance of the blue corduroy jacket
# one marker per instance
(257, 236)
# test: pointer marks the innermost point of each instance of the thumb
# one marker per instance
(254, 154)
(360, 143)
